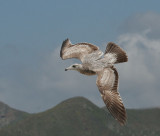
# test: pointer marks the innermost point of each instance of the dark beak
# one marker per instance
(66, 69)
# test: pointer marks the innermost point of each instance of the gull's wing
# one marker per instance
(107, 82)
(115, 54)
(79, 50)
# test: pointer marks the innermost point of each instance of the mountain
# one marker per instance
(9, 115)
(80, 117)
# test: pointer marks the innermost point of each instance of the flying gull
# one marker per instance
(94, 64)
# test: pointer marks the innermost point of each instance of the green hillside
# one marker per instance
(79, 117)
(9, 115)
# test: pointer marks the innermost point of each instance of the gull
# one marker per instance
(94, 64)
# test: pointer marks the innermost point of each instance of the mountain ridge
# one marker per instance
(10, 115)
(78, 116)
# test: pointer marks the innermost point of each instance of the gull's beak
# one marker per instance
(69, 68)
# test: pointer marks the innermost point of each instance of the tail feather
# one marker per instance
(120, 54)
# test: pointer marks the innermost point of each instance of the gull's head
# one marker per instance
(74, 67)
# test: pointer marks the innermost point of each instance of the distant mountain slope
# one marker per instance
(9, 115)
(141, 122)
(79, 117)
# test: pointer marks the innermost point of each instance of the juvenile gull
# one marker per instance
(107, 76)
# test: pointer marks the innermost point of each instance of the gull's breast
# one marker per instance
(87, 72)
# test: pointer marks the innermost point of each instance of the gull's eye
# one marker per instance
(73, 66)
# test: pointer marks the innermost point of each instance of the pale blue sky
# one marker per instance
(41, 23)
(31, 32)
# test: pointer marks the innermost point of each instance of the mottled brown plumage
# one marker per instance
(107, 82)
(107, 75)
(113, 48)
(78, 50)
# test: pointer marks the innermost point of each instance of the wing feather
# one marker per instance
(107, 82)
(79, 50)
(115, 54)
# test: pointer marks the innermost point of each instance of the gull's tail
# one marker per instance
(116, 54)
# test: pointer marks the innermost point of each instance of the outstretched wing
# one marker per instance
(79, 50)
(107, 82)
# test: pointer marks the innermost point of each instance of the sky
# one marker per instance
(32, 76)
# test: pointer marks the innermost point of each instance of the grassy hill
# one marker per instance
(9, 115)
(79, 117)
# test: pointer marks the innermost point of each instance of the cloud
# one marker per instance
(140, 76)
(143, 22)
